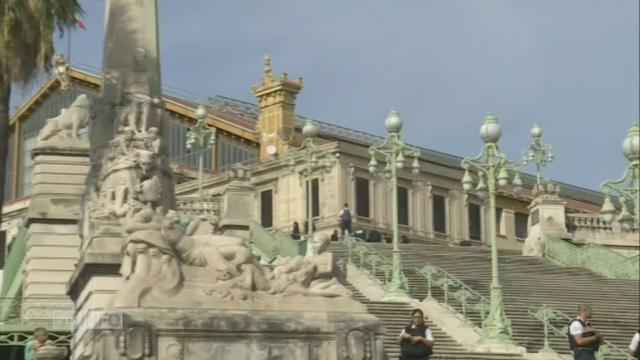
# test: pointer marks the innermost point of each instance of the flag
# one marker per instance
(80, 24)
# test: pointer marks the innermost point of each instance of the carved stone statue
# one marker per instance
(316, 276)
(67, 125)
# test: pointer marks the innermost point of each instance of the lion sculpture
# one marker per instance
(69, 122)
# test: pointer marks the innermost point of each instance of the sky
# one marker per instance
(571, 66)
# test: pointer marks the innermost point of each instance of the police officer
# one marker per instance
(584, 339)
(634, 347)
(416, 340)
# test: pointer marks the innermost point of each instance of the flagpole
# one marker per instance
(69, 46)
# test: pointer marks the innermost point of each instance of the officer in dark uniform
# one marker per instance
(634, 347)
(584, 340)
(416, 340)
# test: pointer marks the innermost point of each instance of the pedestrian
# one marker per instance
(634, 347)
(345, 220)
(416, 340)
(295, 232)
(306, 227)
(583, 338)
(41, 338)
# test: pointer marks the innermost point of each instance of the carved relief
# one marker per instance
(175, 351)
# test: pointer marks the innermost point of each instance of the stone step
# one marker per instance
(615, 301)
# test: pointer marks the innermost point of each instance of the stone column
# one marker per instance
(52, 231)
(546, 217)
(428, 209)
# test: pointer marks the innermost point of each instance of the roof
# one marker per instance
(249, 112)
(240, 117)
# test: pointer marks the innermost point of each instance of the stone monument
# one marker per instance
(547, 218)
(152, 283)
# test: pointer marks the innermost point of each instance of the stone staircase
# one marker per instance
(527, 283)
(395, 316)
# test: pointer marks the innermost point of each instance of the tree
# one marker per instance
(27, 28)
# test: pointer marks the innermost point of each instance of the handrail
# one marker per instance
(462, 293)
(13, 265)
(594, 257)
(379, 267)
(262, 243)
(548, 315)
(271, 245)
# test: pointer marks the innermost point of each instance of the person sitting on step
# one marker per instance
(416, 340)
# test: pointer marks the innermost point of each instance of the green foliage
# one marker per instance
(27, 28)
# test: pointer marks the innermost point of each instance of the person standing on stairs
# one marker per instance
(345, 220)
(416, 340)
(583, 338)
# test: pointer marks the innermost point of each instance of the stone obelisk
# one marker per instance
(127, 146)
(130, 175)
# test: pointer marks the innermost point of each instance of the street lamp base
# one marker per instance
(396, 291)
(497, 327)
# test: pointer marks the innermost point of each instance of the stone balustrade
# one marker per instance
(589, 222)
(196, 206)
(592, 229)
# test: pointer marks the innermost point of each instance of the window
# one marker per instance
(439, 214)
(231, 151)
(3, 245)
(315, 190)
(178, 150)
(266, 208)
(403, 206)
(9, 168)
(499, 221)
(475, 226)
(362, 197)
(521, 225)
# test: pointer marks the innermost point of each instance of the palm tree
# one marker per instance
(27, 28)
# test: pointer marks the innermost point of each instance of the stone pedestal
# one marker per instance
(237, 205)
(50, 353)
(546, 217)
(52, 231)
(169, 334)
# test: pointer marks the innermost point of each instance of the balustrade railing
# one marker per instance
(556, 324)
(13, 263)
(588, 222)
(455, 294)
(271, 245)
(594, 223)
(196, 206)
(594, 257)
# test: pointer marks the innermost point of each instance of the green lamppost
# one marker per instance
(394, 153)
(492, 170)
(537, 152)
(312, 166)
(196, 140)
(627, 187)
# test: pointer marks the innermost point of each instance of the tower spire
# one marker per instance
(277, 99)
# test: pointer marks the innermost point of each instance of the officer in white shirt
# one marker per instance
(584, 340)
(416, 340)
(634, 347)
